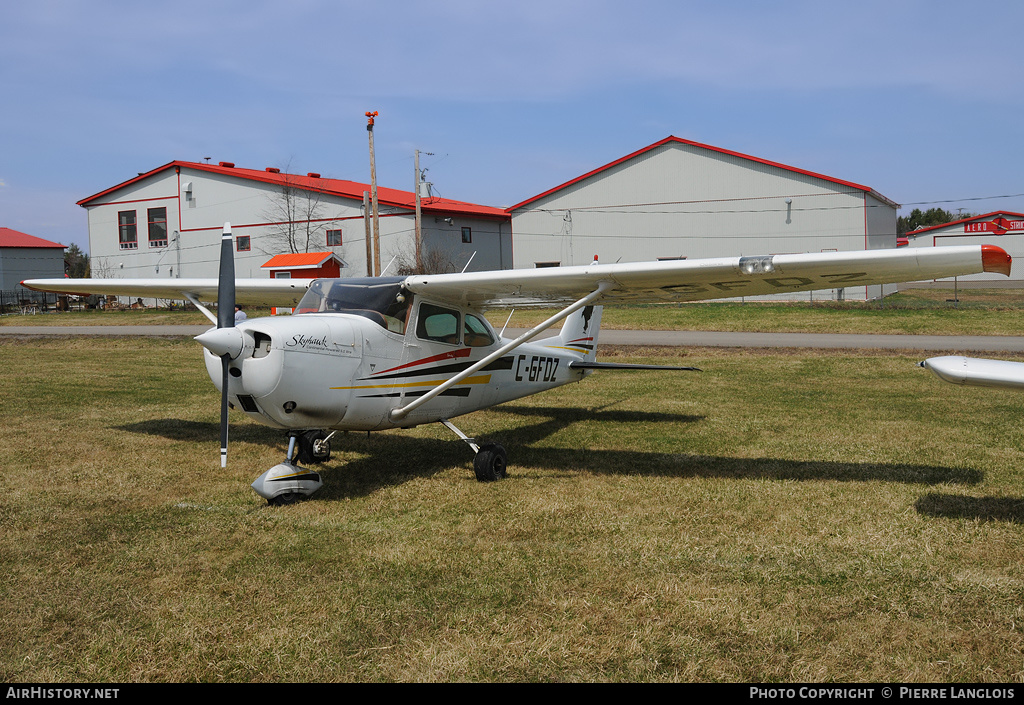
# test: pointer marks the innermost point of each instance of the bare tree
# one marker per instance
(101, 268)
(296, 216)
(433, 261)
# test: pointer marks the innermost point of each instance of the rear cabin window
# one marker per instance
(475, 333)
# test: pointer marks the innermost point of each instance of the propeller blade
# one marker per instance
(225, 319)
(226, 281)
(224, 362)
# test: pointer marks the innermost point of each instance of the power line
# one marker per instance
(630, 208)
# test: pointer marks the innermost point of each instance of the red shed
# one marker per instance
(303, 265)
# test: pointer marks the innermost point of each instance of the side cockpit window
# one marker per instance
(438, 323)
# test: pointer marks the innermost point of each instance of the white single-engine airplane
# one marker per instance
(370, 354)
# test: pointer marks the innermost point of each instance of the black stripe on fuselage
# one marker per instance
(502, 363)
(460, 392)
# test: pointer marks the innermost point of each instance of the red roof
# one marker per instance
(12, 238)
(972, 219)
(313, 182)
(680, 140)
(301, 260)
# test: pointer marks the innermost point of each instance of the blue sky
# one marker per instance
(919, 100)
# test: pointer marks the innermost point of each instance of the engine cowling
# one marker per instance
(285, 371)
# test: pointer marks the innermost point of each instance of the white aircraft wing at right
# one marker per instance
(703, 279)
(977, 372)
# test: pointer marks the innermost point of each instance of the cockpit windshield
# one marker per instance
(379, 299)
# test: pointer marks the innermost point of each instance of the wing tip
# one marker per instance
(995, 259)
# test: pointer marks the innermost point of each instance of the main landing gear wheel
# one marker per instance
(491, 463)
(314, 447)
(287, 498)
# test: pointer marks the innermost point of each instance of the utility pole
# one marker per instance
(366, 227)
(419, 215)
(373, 196)
(417, 183)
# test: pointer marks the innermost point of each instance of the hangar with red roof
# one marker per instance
(678, 199)
(24, 256)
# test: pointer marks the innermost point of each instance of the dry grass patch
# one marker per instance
(779, 516)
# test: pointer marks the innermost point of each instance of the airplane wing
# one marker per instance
(638, 282)
(703, 279)
(977, 372)
(253, 292)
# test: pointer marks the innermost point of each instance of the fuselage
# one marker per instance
(348, 369)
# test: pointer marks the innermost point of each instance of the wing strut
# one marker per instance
(195, 302)
(402, 412)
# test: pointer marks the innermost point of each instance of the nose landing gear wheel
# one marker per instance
(284, 499)
(491, 463)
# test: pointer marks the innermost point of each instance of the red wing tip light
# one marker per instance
(995, 259)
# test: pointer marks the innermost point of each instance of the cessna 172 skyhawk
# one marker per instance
(370, 354)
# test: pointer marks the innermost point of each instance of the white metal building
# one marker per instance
(167, 223)
(680, 199)
(1001, 228)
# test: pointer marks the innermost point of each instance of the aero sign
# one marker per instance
(998, 226)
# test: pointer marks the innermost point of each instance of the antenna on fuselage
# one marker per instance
(389, 265)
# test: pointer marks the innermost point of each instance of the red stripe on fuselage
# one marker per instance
(462, 352)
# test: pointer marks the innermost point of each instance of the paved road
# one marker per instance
(972, 343)
(102, 330)
(966, 343)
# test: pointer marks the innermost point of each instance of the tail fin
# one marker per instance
(579, 332)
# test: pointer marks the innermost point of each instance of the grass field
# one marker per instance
(783, 516)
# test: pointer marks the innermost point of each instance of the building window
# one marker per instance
(157, 218)
(126, 234)
(242, 243)
(467, 235)
(334, 238)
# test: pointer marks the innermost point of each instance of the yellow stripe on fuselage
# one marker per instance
(562, 347)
